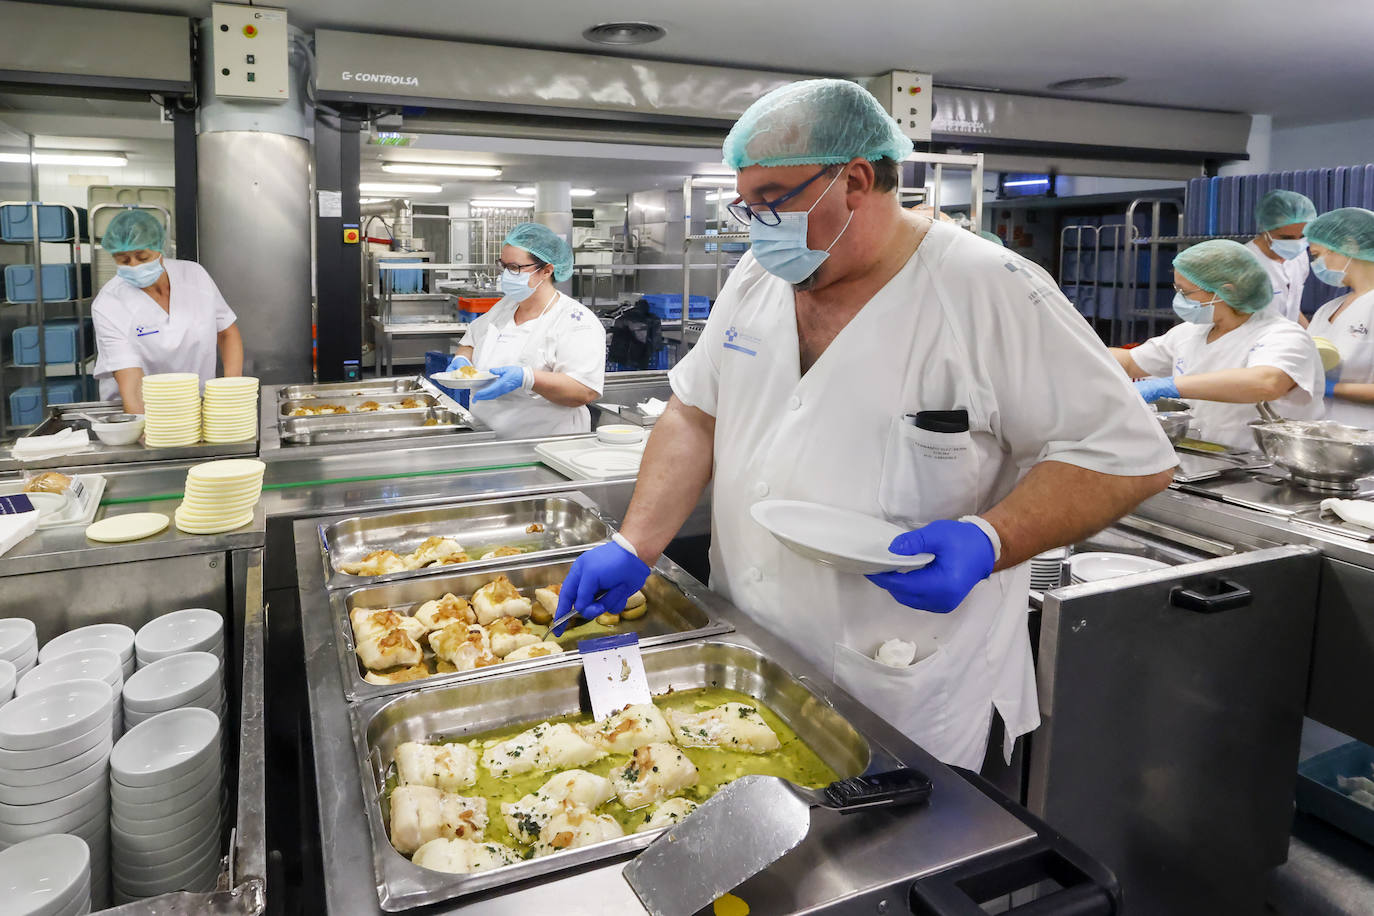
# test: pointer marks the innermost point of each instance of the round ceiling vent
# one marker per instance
(1087, 82)
(624, 33)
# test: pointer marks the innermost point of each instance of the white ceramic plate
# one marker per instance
(54, 714)
(80, 664)
(187, 630)
(454, 380)
(171, 682)
(849, 541)
(1094, 567)
(164, 747)
(17, 636)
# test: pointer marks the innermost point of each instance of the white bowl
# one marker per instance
(125, 841)
(171, 682)
(57, 753)
(200, 879)
(212, 699)
(54, 714)
(89, 799)
(93, 664)
(12, 797)
(131, 811)
(67, 823)
(114, 636)
(118, 433)
(18, 636)
(170, 863)
(189, 630)
(44, 774)
(209, 769)
(1094, 567)
(164, 746)
(620, 434)
(122, 854)
(205, 811)
(42, 876)
(9, 675)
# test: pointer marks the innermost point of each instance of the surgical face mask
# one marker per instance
(781, 250)
(1192, 312)
(141, 275)
(1327, 275)
(1288, 249)
(516, 286)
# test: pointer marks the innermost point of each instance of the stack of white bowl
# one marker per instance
(1094, 567)
(220, 495)
(171, 406)
(194, 629)
(47, 876)
(116, 637)
(54, 768)
(1047, 569)
(183, 681)
(18, 645)
(230, 409)
(81, 664)
(165, 805)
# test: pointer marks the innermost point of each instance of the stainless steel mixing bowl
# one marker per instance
(1319, 453)
(1175, 423)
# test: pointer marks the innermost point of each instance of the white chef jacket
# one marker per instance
(133, 332)
(1288, 278)
(566, 338)
(1265, 339)
(1350, 332)
(964, 324)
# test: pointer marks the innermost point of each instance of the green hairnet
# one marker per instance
(132, 230)
(546, 245)
(1228, 269)
(814, 122)
(1348, 231)
(1283, 208)
(993, 237)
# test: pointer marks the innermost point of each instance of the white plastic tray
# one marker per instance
(588, 459)
(80, 513)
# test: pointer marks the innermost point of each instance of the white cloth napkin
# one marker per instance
(14, 527)
(1354, 511)
(38, 448)
(652, 407)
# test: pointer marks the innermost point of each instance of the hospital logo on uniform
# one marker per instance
(1359, 330)
(144, 330)
(741, 342)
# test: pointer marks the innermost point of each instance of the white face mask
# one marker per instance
(516, 286)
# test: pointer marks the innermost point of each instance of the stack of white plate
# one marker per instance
(1094, 567)
(47, 876)
(230, 411)
(195, 629)
(171, 406)
(116, 637)
(9, 677)
(165, 805)
(1047, 568)
(94, 664)
(220, 495)
(18, 643)
(184, 681)
(54, 768)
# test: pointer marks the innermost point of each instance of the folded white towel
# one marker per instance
(38, 448)
(1354, 511)
(652, 407)
(15, 525)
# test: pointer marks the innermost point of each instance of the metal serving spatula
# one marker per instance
(746, 827)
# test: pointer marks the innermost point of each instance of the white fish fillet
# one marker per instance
(733, 726)
(422, 813)
(443, 766)
(463, 857)
(667, 814)
(527, 817)
(544, 747)
(572, 826)
(654, 772)
(632, 727)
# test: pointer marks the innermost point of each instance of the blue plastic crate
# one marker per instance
(668, 306)
(26, 404)
(1320, 795)
(60, 342)
(54, 223)
(59, 282)
(405, 281)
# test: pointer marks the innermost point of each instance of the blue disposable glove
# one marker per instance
(1330, 388)
(610, 572)
(458, 362)
(963, 557)
(1152, 389)
(508, 379)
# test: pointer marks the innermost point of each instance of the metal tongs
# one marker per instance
(1268, 413)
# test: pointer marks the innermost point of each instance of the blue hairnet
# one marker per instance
(1228, 269)
(818, 122)
(133, 230)
(1283, 208)
(993, 237)
(1348, 231)
(546, 245)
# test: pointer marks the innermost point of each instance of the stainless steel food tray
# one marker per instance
(384, 424)
(571, 523)
(390, 402)
(678, 610)
(362, 387)
(427, 714)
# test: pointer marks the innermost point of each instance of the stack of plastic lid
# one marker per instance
(1047, 569)
(54, 768)
(220, 495)
(165, 805)
(47, 876)
(18, 644)
(231, 409)
(171, 405)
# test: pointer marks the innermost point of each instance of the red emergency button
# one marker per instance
(350, 236)
(250, 31)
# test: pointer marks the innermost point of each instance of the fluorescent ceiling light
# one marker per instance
(457, 171)
(1025, 182)
(501, 203)
(383, 187)
(714, 181)
(55, 157)
(528, 191)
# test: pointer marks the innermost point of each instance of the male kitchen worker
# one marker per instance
(864, 357)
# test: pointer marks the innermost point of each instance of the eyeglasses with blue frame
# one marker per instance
(766, 211)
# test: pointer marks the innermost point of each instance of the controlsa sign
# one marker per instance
(386, 79)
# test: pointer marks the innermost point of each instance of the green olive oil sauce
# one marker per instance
(716, 767)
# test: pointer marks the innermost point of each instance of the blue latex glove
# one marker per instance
(609, 571)
(1331, 388)
(963, 558)
(457, 362)
(1152, 389)
(508, 379)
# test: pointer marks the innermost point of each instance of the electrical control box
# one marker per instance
(909, 98)
(250, 52)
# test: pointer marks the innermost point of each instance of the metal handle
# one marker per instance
(1227, 594)
(895, 787)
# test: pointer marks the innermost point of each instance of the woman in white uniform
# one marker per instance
(1231, 352)
(157, 314)
(547, 350)
(1343, 244)
(1281, 249)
